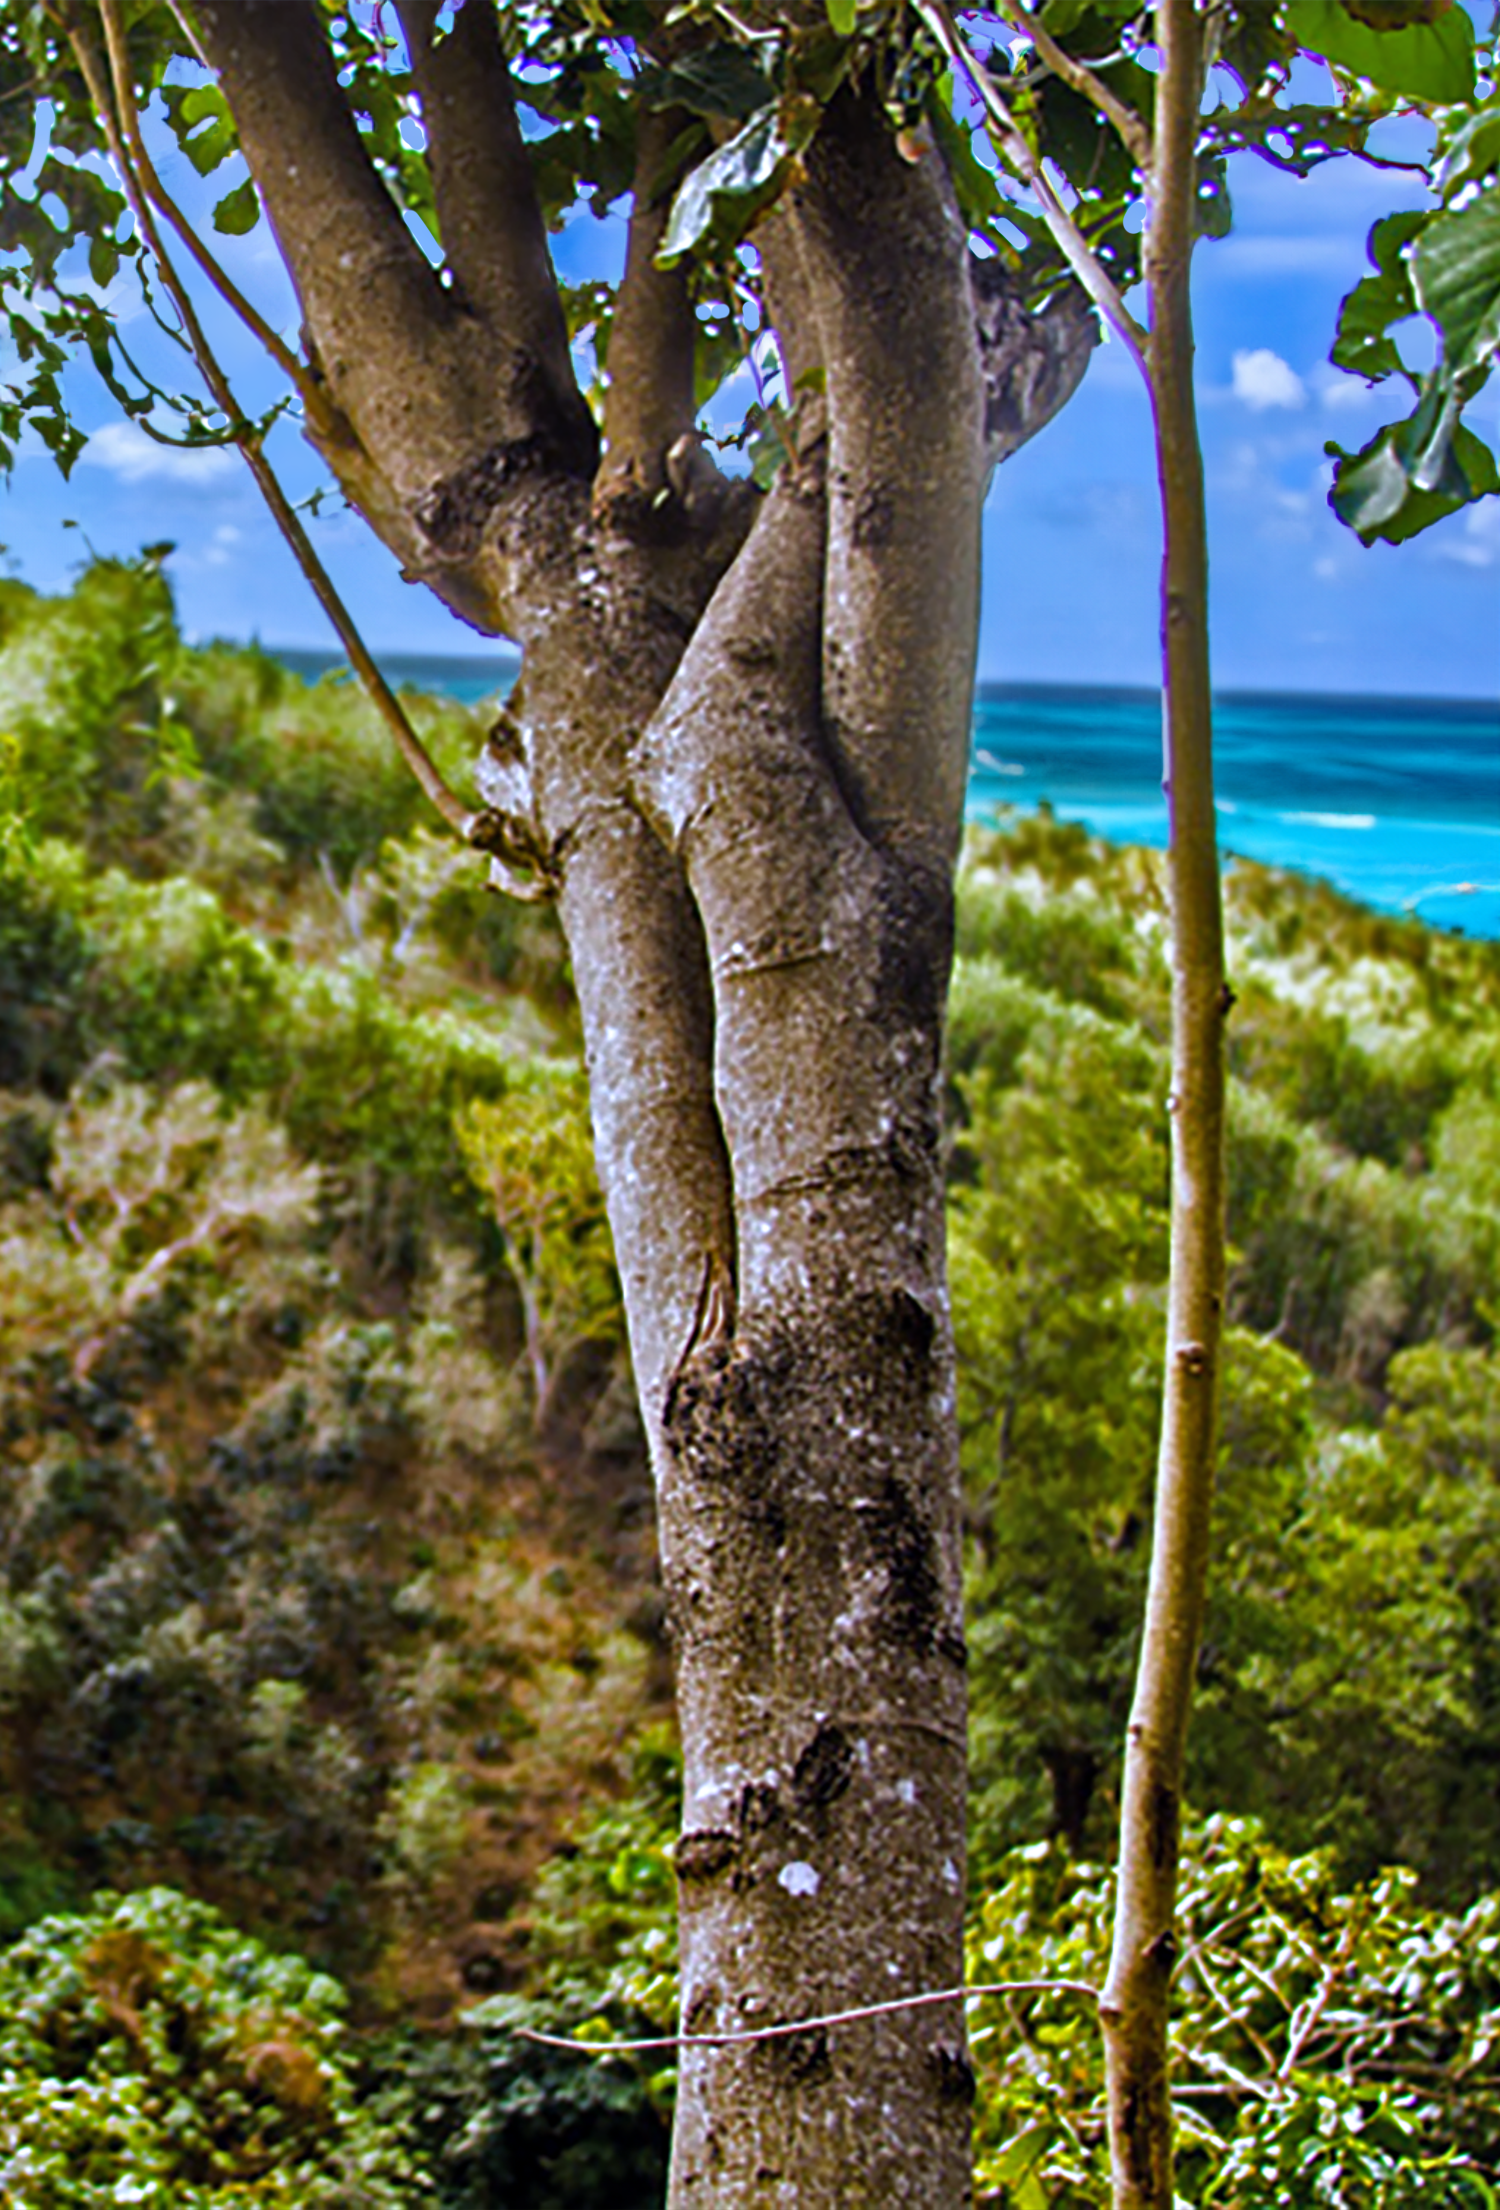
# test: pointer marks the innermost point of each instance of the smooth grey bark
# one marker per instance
(737, 758)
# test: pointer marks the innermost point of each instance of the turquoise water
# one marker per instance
(466, 677)
(1395, 800)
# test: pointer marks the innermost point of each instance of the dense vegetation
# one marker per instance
(326, 1583)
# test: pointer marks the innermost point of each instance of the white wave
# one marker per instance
(1451, 890)
(1332, 820)
(997, 767)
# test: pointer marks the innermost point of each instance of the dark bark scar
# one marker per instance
(1163, 1826)
(454, 515)
(799, 2060)
(904, 1545)
(823, 1771)
(721, 1416)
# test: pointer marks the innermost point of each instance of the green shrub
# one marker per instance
(504, 2125)
(326, 777)
(85, 692)
(45, 958)
(1330, 2045)
(151, 2054)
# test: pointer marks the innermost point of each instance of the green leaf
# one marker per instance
(104, 260)
(1020, 2153)
(1378, 493)
(719, 80)
(1456, 278)
(975, 186)
(841, 14)
(238, 211)
(718, 201)
(1214, 210)
(1366, 313)
(1423, 61)
(1471, 153)
(202, 124)
(768, 446)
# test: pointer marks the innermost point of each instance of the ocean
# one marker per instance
(1394, 800)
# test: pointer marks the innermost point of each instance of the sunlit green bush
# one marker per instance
(86, 695)
(150, 2054)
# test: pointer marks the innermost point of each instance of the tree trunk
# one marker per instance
(1134, 2004)
(772, 1104)
(737, 756)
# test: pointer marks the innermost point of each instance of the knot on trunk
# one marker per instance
(704, 1854)
(799, 2060)
(454, 513)
(723, 1416)
(824, 1769)
(904, 1545)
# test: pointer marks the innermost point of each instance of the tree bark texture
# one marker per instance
(1134, 2004)
(737, 756)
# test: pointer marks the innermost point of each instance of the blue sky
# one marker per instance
(1071, 532)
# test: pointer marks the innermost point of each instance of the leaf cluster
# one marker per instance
(745, 102)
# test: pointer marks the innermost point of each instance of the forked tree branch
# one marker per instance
(415, 377)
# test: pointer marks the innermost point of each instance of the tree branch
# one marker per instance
(885, 258)
(296, 372)
(491, 224)
(1072, 244)
(807, 2025)
(1032, 362)
(649, 403)
(470, 825)
(1131, 128)
(1134, 2005)
(416, 379)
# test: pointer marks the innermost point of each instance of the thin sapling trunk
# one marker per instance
(1134, 2004)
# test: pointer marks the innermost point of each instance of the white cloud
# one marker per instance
(1263, 379)
(126, 451)
(1479, 545)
